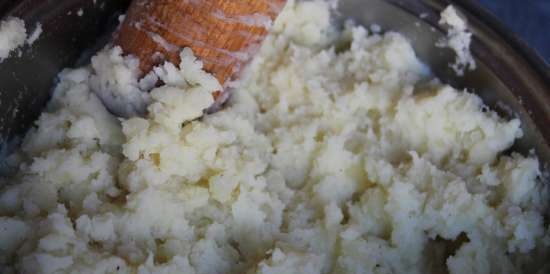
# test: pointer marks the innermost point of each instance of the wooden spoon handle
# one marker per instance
(224, 34)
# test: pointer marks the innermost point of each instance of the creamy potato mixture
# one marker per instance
(337, 153)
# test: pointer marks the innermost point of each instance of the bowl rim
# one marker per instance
(514, 40)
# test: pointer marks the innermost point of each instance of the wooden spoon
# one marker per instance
(224, 34)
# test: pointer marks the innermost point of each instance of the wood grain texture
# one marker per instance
(224, 34)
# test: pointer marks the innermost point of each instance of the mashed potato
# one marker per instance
(324, 161)
(458, 39)
(12, 36)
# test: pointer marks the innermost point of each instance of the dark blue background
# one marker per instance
(530, 19)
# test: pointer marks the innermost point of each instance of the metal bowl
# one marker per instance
(510, 77)
(26, 81)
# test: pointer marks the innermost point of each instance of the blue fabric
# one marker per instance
(530, 19)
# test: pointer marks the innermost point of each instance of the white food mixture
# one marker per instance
(12, 35)
(324, 161)
(35, 34)
(458, 39)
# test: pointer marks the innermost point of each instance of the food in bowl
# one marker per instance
(339, 152)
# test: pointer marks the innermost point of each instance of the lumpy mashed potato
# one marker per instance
(336, 154)
(12, 36)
